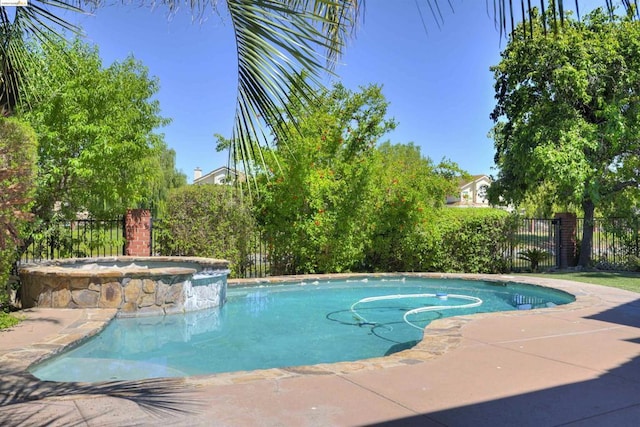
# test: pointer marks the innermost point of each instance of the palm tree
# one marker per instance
(277, 41)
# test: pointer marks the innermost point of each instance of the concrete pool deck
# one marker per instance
(575, 365)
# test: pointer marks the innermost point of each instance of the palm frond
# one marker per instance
(40, 20)
(160, 397)
(504, 12)
(276, 42)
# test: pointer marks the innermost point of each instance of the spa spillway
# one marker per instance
(133, 285)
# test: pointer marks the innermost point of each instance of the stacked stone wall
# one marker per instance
(161, 295)
(133, 285)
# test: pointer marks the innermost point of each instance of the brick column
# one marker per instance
(137, 226)
(567, 230)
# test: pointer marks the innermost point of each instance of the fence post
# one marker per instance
(637, 229)
(138, 232)
(557, 237)
(567, 249)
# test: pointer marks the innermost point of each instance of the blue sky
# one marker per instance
(437, 81)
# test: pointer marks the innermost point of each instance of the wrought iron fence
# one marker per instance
(254, 263)
(533, 245)
(257, 260)
(76, 239)
(615, 242)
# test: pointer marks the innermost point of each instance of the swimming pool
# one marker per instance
(287, 325)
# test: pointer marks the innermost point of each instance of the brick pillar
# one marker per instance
(137, 226)
(567, 230)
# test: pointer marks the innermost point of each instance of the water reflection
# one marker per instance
(136, 335)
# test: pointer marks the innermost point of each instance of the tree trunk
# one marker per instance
(587, 233)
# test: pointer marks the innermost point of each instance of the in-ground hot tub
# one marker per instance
(133, 285)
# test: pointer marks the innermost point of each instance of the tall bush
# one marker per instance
(17, 167)
(207, 221)
(469, 241)
(407, 189)
(315, 205)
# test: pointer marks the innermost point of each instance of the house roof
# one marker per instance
(221, 170)
(474, 178)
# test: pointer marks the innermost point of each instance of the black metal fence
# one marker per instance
(257, 261)
(535, 244)
(615, 242)
(76, 239)
(254, 264)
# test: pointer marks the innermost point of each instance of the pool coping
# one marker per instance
(440, 336)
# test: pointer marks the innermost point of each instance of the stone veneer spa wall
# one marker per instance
(133, 285)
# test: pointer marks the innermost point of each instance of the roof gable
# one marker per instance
(222, 170)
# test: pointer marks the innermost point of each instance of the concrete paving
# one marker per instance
(574, 365)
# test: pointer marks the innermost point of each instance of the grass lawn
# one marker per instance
(7, 320)
(616, 279)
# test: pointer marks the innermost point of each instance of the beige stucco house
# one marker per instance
(221, 175)
(472, 193)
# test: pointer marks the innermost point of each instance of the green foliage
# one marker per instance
(315, 203)
(568, 116)
(7, 320)
(17, 167)
(406, 190)
(335, 201)
(95, 130)
(208, 221)
(633, 263)
(168, 178)
(469, 240)
(534, 256)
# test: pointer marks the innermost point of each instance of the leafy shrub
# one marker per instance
(17, 164)
(469, 240)
(534, 256)
(207, 221)
(633, 263)
(408, 190)
(314, 206)
(7, 320)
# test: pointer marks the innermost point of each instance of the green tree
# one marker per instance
(336, 200)
(17, 168)
(407, 190)
(276, 40)
(315, 206)
(167, 178)
(568, 117)
(95, 128)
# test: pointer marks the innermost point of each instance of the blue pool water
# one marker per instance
(286, 325)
